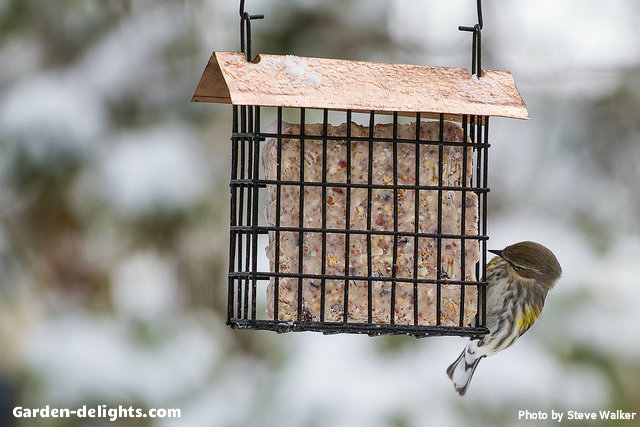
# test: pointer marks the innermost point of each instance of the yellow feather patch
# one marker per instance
(528, 318)
(491, 263)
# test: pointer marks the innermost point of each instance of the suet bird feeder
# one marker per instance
(366, 182)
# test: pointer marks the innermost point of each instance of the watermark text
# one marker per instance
(100, 411)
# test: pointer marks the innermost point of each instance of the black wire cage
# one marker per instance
(358, 191)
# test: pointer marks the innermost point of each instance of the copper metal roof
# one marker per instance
(292, 81)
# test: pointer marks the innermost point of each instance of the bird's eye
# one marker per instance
(515, 267)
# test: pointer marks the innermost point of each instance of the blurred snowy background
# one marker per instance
(114, 214)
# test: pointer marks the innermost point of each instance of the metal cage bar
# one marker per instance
(372, 115)
(241, 237)
(439, 229)
(249, 279)
(233, 235)
(394, 266)
(463, 214)
(301, 215)
(485, 172)
(323, 284)
(347, 221)
(276, 288)
(254, 219)
(416, 221)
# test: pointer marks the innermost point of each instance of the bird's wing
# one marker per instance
(527, 318)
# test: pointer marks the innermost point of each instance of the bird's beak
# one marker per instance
(499, 253)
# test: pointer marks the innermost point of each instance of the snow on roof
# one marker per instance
(292, 81)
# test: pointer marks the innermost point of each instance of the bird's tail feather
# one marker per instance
(461, 371)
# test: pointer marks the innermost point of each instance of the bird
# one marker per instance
(518, 280)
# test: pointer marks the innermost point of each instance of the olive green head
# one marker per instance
(531, 260)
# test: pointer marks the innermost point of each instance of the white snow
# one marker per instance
(145, 286)
(314, 79)
(81, 355)
(19, 56)
(51, 113)
(162, 167)
(297, 69)
(122, 62)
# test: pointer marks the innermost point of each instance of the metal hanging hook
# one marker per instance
(476, 53)
(245, 30)
(479, 5)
